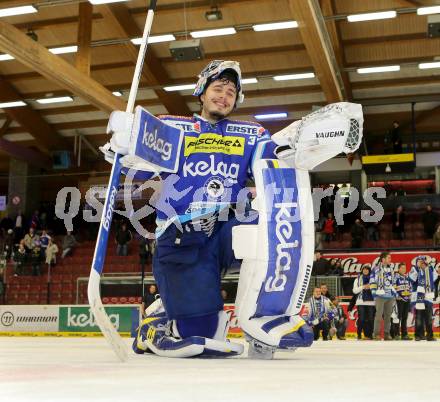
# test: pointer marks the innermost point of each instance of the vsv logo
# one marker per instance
(109, 212)
(284, 233)
(152, 141)
(203, 168)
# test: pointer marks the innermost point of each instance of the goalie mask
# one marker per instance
(214, 70)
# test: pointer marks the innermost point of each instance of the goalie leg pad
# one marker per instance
(158, 335)
(277, 264)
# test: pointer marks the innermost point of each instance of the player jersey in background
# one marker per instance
(215, 164)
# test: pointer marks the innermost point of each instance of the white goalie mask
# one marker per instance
(213, 70)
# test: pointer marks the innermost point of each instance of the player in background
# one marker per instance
(205, 221)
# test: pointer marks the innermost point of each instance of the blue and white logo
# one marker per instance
(156, 142)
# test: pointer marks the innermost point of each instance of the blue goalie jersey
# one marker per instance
(214, 165)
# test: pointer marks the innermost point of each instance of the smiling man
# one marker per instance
(205, 224)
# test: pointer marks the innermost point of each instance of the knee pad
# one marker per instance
(278, 252)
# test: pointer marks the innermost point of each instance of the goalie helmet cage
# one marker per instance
(110, 333)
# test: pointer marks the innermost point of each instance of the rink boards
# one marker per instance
(78, 321)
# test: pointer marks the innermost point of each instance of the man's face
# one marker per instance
(429, 208)
(387, 259)
(152, 289)
(402, 269)
(218, 99)
(317, 292)
(324, 289)
(421, 264)
(336, 302)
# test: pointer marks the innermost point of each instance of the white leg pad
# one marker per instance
(277, 253)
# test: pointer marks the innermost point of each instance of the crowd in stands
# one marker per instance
(380, 295)
(368, 234)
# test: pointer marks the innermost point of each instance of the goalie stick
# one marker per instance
(93, 291)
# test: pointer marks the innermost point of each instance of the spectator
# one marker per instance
(398, 220)
(329, 228)
(20, 259)
(396, 140)
(400, 192)
(382, 288)
(321, 313)
(357, 234)
(149, 298)
(44, 240)
(340, 319)
(364, 303)
(8, 244)
(436, 237)
(403, 290)
(69, 243)
(430, 220)
(31, 239)
(144, 253)
(35, 220)
(6, 223)
(224, 294)
(320, 265)
(373, 231)
(19, 227)
(422, 277)
(51, 253)
(325, 292)
(123, 238)
(36, 259)
(331, 264)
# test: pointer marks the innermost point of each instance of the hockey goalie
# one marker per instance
(206, 224)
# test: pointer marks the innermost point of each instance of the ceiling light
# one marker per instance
(428, 10)
(270, 116)
(383, 69)
(300, 76)
(388, 168)
(179, 87)
(435, 64)
(213, 32)
(214, 14)
(96, 2)
(155, 39)
(275, 25)
(371, 16)
(8, 12)
(64, 49)
(5, 105)
(117, 93)
(245, 81)
(4, 57)
(45, 101)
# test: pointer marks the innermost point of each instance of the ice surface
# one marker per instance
(85, 369)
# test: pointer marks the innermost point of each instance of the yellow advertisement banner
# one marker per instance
(214, 143)
(392, 158)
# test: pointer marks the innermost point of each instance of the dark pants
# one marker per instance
(323, 326)
(341, 327)
(365, 321)
(424, 322)
(402, 309)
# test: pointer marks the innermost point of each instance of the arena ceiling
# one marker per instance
(325, 43)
